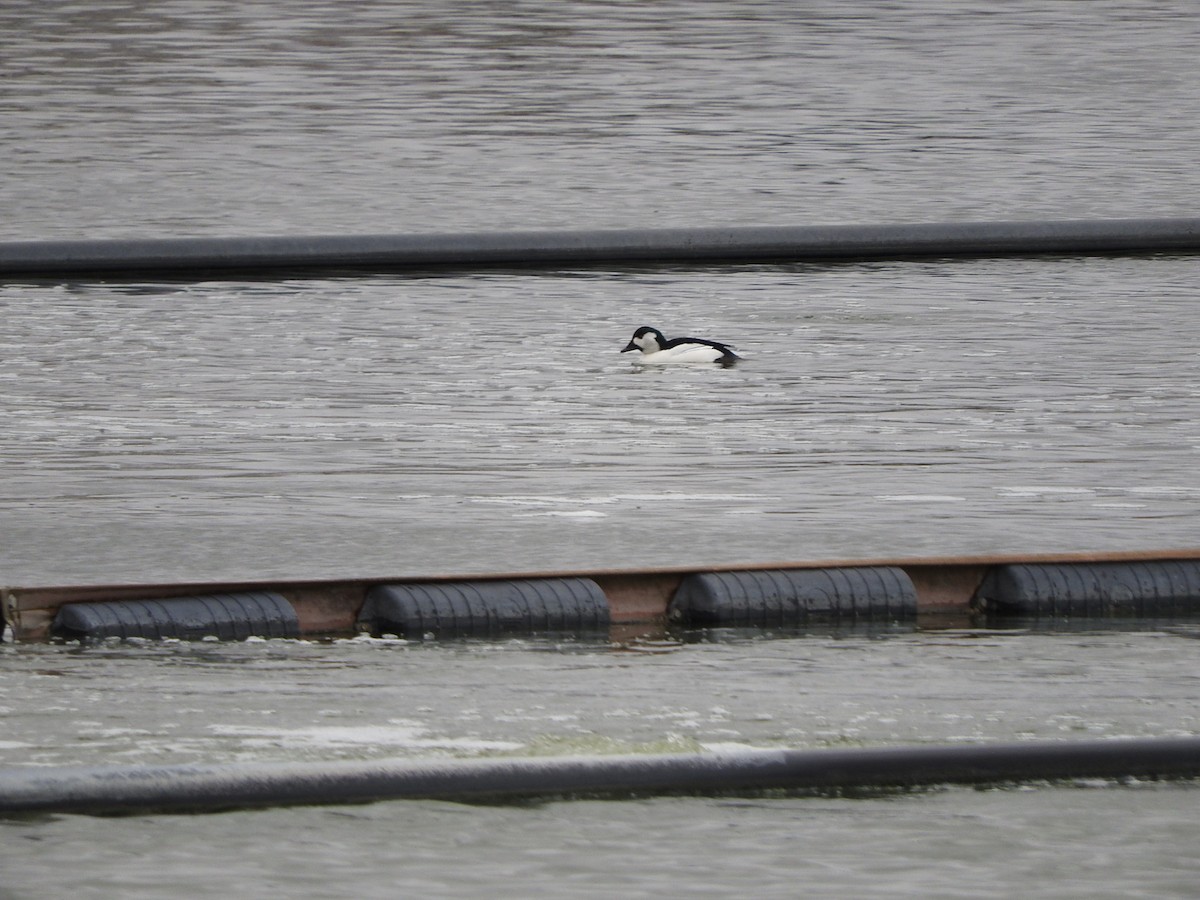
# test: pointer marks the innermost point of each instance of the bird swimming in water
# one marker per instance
(657, 350)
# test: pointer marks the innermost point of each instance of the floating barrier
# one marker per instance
(1138, 589)
(487, 608)
(793, 597)
(225, 616)
(197, 788)
(949, 592)
(199, 257)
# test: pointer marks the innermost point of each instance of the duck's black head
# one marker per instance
(646, 339)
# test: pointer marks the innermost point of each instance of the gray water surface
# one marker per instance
(386, 426)
(130, 118)
(231, 429)
(152, 704)
(1086, 841)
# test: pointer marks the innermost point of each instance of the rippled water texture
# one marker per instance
(389, 425)
(383, 426)
(364, 699)
(309, 116)
(392, 426)
(1055, 844)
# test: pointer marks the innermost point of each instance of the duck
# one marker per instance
(657, 350)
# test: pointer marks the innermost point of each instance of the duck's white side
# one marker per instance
(656, 350)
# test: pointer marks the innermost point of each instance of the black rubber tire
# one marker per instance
(1152, 589)
(229, 617)
(793, 597)
(487, 608)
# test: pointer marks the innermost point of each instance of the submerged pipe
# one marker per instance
(190, 257)
(193, 788)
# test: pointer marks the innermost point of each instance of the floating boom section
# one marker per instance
(199, 788)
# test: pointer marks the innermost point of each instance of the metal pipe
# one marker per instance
(192, 788)
(194, 257)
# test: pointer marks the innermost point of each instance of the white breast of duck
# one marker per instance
(656, 350)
